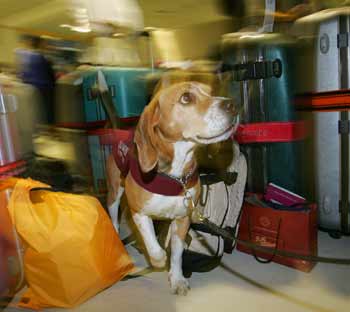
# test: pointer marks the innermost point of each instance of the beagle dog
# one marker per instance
(179, 118)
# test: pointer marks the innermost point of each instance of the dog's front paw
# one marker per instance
(179, 285)
(159, 260)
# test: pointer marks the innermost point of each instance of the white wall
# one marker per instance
(192, 42)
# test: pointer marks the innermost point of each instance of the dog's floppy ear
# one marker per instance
(145, 136)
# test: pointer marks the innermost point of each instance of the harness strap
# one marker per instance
(158, 183)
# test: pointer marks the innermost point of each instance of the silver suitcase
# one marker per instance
(333, 52)
(332, 170)
(10, 150)
(332, 129)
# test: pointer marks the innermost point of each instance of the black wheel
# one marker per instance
(187, 274)
(335, 234)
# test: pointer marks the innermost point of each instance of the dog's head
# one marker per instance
(185, 111)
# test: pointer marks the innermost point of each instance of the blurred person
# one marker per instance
(35, 69)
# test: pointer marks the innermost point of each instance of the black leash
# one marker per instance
(231, 236)
(212, 228)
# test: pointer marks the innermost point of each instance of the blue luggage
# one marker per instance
(262, 68)
(128, 88)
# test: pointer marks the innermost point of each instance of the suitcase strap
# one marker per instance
(257, 70)
(344, 130)
(93, 125)
(271, 132)
(12, 169)
(331, 100)
(229, 178)
(275, 249)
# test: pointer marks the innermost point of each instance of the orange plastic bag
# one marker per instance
(73, 250)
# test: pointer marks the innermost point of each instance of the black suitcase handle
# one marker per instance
(255, 70)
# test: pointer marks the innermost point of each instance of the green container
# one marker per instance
(263, 76)
(128, 88)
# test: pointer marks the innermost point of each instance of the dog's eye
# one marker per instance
(186, 98)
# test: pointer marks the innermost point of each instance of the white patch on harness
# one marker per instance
(122, 151)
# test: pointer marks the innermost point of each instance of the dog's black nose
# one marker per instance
(228, 106)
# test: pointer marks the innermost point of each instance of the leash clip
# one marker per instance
(188, 200)
(197, 215)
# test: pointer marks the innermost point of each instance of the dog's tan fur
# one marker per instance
(169, 131)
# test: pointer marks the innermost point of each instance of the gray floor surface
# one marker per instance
(240, 284)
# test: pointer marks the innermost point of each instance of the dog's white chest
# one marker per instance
(168, 207)
(171, 207)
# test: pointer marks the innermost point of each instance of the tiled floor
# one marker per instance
(241, 284)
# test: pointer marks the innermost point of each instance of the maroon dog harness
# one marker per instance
(153, 181)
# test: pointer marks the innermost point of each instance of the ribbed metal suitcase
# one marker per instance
(333, 52)
(263, 66)
(23, 102)
(332, 129)
(332, 150)
(9, 139)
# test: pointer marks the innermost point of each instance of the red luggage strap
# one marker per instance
(12, 169)
(82, 125)
(271, 132)
(92, 125)
(330, 100)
